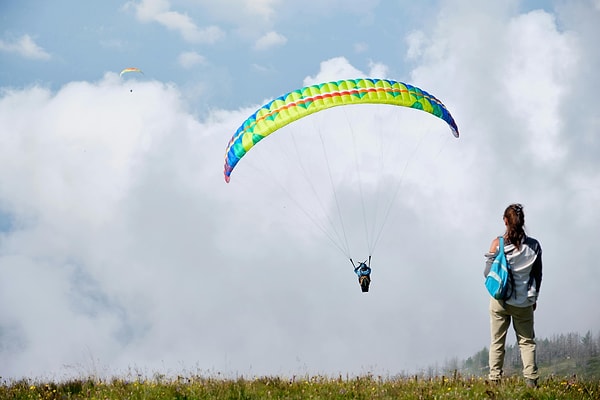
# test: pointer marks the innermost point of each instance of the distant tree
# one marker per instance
(452, 366)
(477, 364)
(590, 347)
(564, 354)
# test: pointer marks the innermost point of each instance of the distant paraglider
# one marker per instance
(364, 274)
(128, 70)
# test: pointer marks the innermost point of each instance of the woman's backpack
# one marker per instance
(499, 280)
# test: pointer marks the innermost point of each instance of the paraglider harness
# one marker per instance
(364, 274)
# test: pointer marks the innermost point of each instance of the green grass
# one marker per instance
(309, 387)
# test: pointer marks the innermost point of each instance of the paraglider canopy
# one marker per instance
(311, 99)
(132, 69)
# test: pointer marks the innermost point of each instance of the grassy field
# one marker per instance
(309, 387)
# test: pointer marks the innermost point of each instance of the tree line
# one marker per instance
(570, 354)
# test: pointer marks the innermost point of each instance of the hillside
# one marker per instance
(568, 354)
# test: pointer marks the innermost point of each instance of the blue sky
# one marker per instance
(221, 57)
(122, 248)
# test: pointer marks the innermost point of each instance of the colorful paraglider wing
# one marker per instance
(311, 99)
(126, 70)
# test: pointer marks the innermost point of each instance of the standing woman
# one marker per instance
(524, 254)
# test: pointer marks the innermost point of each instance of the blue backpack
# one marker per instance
(499, 281)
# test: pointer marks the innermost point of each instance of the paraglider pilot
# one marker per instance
(364, 274)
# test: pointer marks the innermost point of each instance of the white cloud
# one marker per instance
(262, 68)
(26, 47)
(333, 70)
(415, 42)
(247, 12)
(378, 70)
(270, 40)
(542, 59)
(262, 8)
(159, 11)
(190, 59)
(517, 100)
(70, 174)
(113, 44)
(340, 68)
(360, 47)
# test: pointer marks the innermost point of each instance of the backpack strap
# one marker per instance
(511, 277)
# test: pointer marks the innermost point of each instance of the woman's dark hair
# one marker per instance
(515, 224)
